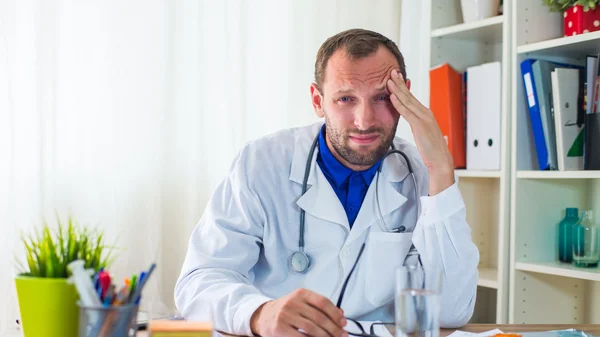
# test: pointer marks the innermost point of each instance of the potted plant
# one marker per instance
(579, 16)
(47, 302)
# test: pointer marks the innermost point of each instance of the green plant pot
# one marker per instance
(48, 307)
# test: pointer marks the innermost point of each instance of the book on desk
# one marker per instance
(179, 328)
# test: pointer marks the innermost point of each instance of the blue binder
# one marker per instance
(546, 156)
(534, 114)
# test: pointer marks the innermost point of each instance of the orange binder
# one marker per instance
(446, 102)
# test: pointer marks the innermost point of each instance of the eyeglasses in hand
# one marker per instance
(354, 328)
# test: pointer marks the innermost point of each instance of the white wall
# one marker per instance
(128, 114)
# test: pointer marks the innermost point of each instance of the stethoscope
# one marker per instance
(299, 260)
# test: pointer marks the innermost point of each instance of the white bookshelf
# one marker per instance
(488, 278)
(573, 46)
(486, 193)
(477, 174)
(541, 289)
(489, 29)
(560, 269)
(526, 174)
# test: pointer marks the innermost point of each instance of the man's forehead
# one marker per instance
(374, 69)
(350, 87)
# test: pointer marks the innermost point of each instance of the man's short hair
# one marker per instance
(358, 43)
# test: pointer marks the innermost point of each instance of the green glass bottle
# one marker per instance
(565, 234)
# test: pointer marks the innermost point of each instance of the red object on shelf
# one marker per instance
(578, 22)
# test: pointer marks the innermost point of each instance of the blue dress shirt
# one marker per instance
(350, 186)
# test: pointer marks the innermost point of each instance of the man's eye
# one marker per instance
(383, 98)
(345, 99)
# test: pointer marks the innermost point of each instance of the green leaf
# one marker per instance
(562, 5)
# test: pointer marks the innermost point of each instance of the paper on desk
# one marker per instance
(459, 333)
(558, 333)
(379, 330)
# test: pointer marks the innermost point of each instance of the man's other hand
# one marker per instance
(302, 310)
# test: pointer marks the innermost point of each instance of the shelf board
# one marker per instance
(558, 174)
(575, 46)
(489, 30)
(488, 278)
(477, 174)
(560, 269)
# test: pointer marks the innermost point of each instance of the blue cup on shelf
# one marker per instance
(107, 321)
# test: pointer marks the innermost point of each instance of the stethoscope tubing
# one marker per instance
(299, 261)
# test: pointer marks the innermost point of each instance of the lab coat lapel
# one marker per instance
(320, 199)
(390, 199)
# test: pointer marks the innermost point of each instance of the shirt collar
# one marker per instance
(339, 173)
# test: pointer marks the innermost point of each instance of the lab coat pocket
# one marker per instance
(386, 252)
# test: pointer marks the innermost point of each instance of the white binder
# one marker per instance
(565, 87)
(484, 92)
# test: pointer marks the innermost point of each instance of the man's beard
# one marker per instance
(340, 143)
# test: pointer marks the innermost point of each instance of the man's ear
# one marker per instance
(408, 84)
(317, 100)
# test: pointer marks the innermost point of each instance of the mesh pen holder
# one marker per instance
(113, 321)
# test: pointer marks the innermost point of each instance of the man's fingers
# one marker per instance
(324, 304)
(291, 332)
(399, 103)
(405, 96)
(323, 321)
(403, 111)
(310, 327)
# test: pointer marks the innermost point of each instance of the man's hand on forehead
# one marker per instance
(428, 137)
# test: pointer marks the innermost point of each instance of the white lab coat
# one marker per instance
(238, 254)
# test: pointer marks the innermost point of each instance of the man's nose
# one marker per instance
(364, 117)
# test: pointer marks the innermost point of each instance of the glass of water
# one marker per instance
(417, 302)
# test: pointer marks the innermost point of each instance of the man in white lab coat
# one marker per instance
(239, 264)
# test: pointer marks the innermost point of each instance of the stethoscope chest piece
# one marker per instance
(299, 262)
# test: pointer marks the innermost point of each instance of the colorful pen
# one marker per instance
(138, 294)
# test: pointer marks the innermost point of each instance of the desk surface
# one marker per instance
(592, 329)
